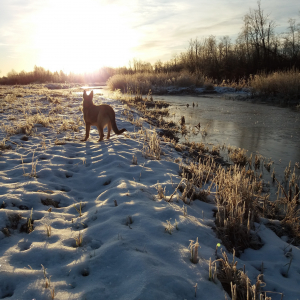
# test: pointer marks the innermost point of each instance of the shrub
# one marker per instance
(283, 84)
(143, 82)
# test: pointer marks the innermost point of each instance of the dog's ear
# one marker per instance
(91, 94)
(84, 93)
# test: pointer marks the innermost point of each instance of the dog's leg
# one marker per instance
(108, 130)
(87, 131)
(101, 134)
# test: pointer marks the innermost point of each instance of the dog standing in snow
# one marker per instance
(98, 115)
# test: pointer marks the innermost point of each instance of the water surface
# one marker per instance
(273, 132)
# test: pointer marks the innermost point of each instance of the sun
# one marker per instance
(77, 37)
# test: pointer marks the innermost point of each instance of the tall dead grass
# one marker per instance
(237, 197)
(151, 147)
(282, 84)
(286, 209)
(237, 194)
(157, 82)
(236, 282)
(241, 199)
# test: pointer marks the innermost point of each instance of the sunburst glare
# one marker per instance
(82, 38)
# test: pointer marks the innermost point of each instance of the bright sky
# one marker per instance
(77, 35)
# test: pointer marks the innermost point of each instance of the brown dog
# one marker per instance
(98, 115)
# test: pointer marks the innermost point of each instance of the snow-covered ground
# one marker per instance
(134, 244)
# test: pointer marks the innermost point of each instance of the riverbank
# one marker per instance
(116, 219)
(280, 87)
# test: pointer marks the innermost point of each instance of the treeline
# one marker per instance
(41, 75)
(257, 49)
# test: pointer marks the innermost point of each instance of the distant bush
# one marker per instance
(143, 82)
(283, 84)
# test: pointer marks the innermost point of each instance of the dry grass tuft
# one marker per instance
(79, 210)
(197, 147)
(46, 277)
(194, 251)
(48, 230)
(238, 156)
(3, 146)
(237, 198)
(69, 124)
(40, 119)
(285, 85)
(134, 160)
(151, 147)
(286, 209)
(236, 282)
(79, 239)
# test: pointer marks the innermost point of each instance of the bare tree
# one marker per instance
(292, 39)
(258, 33)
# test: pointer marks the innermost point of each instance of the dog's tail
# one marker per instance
(119, 131)
(115, 128)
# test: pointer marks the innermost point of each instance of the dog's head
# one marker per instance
(87, 99)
